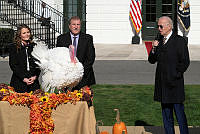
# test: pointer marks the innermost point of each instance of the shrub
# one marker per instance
(6, 37)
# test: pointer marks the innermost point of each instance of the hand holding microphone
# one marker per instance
(157, 40)
(155, 43)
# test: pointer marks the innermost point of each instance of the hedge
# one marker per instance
(6, 37)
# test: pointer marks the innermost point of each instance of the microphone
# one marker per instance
(159, 37)
(157, 40)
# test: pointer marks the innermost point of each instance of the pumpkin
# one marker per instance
(119, 127)
(104, 132)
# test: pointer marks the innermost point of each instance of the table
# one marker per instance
(68, 119)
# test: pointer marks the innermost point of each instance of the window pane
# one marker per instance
(166, 1)
(153, 9)
(167, 8)
(151, 17)
(150, 1)
(150, 9)
(72, 2)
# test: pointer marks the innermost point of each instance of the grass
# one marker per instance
(136, 104)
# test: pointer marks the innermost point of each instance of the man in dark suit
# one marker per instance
(170, 52)
(84, 50)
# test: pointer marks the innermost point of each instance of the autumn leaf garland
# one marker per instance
(41, 105)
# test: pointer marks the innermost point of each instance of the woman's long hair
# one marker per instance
(18, 39)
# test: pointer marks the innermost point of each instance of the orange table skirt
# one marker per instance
(68, 119)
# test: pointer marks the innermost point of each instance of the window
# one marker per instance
(167, 8)
(74, 8)
(150, 10)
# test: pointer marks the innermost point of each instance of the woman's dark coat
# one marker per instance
(18, 64)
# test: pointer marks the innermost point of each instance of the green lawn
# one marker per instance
(137, 106)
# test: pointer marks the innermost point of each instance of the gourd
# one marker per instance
(119, 127)
(97, 128)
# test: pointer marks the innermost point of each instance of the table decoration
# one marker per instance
(41, 104)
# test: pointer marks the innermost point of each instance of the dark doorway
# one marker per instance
(151, 11)
(74, 8)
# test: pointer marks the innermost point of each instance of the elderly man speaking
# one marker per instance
(170, 51)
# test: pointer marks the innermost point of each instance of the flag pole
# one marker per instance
(135, 16)
(136, 38)
(185, 37)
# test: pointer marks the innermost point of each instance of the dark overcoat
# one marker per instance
(18, 65)
(85, 55)
(172, 61)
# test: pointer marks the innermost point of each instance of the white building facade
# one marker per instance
(108, 21)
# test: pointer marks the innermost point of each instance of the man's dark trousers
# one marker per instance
(168, 120)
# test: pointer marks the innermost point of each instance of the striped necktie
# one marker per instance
(164, 40)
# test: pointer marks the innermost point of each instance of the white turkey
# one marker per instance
(59, 67)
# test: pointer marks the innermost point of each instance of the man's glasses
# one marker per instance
(160, 26)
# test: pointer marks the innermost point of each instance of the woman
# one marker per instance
(25, 71)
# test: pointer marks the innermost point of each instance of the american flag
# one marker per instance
(135, 14)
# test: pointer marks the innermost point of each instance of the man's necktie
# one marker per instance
(164, 40)
(74, 44)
